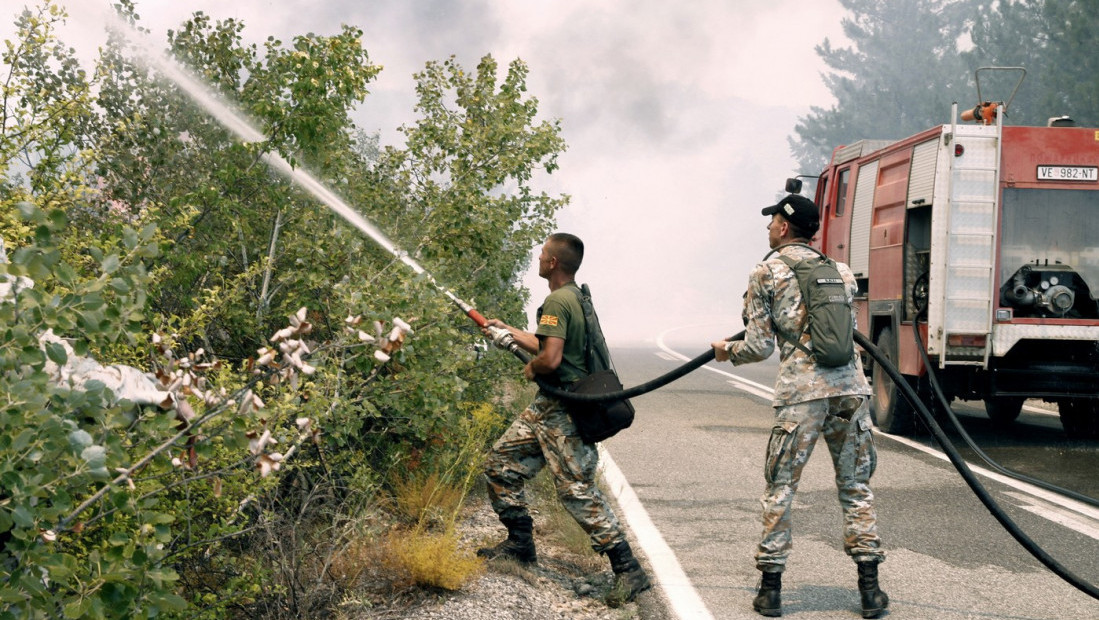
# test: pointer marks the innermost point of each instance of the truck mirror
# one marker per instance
(793, 186)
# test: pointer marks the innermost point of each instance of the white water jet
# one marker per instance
(236, 122)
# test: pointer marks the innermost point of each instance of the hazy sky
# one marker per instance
(676, 117)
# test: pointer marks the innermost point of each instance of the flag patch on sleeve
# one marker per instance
(548, 319)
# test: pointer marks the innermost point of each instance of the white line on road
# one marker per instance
(1056, 514)
(749, 387)
(740, 382)
(682, 596)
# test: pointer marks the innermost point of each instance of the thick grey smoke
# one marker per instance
(676, 116)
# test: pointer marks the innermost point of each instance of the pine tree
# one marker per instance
(899, 76)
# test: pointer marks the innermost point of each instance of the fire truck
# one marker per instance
(986, 238)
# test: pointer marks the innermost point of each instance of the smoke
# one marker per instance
(676, 117)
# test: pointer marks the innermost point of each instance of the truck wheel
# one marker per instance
(891, 410)
(1003, 409)
(1078, 418)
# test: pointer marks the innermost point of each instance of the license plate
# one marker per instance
(1068, 173)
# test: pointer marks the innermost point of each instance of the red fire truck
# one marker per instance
(987, 237)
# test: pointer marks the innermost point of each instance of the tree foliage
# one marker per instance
(1052, 40)
(909, 60)
(159, 239)
(899, 76)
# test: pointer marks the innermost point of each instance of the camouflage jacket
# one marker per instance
(774, 298)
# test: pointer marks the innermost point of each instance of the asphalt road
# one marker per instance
(694, 461)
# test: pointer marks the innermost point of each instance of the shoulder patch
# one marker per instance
(548, 319)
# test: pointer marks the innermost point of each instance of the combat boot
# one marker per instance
(519, 545)
(874, 601)
(768, 601)
(629, 578)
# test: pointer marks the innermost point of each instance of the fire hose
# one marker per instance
(975, 485)
(503, 339)
(944, 404)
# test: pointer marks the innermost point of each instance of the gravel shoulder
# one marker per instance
(568, 582)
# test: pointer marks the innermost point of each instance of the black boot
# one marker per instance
(768, 601)
(874, 601)
(519, 545)
(629, 578)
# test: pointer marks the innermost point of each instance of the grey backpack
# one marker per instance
(830, 326)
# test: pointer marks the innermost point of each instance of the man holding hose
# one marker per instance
(811, 400)
(544, 434)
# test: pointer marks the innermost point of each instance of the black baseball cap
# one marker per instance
(799, 211)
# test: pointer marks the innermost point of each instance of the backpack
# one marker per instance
(830, 326)
(597, 421)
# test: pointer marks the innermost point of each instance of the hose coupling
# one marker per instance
(502, 338)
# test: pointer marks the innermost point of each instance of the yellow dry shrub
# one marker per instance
(431, 559)
(427, 499)
(432, 494)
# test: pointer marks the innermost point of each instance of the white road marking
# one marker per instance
(1056, 514)
(748, 386)
(682, 596)
(739, 382)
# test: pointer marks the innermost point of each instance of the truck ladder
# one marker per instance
(972, 223)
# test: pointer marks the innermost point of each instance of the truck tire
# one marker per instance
(891, 410)
(1078, 417)
(1003, 409)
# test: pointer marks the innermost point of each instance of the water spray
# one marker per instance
(236, 122)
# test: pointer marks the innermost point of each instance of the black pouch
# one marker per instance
(598, 421)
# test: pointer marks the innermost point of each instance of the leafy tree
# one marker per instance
(226, 251)
(900, 75)
(1051, 39)
(464, 203)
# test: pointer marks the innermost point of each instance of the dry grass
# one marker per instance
(348, 567)
(405, 558)
(431, 559)
(427, 500)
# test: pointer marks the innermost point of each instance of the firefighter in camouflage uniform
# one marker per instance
(544, 434)
(810, 401)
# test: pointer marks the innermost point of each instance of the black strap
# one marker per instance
(587, 328)
(790, 262)
(797, 243)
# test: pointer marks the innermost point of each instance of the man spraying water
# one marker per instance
(544, 434)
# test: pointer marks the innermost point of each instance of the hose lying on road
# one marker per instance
(967, 475)
(945, 405)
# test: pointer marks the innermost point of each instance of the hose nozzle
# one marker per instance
(503, 339)
(984, 112)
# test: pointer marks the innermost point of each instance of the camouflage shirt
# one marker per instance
(774, 298)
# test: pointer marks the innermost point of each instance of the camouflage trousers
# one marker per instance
(544, 435)
(844, 421)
